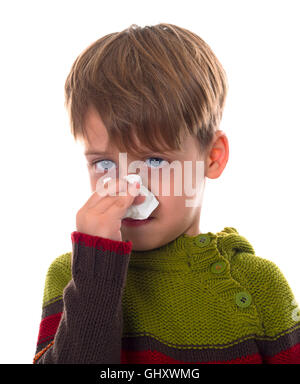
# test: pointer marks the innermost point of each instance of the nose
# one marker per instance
(139, 200)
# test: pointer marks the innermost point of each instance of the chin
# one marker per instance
(141, 243)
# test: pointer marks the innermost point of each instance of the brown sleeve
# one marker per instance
(91, 324)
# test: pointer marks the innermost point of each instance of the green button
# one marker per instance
(243, 299)
(218, 267)
(203, 240)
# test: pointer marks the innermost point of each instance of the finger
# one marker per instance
(104, 192)
(101, 206)
(116, 188)
(119, 187)
(110, 187)
(121, 203)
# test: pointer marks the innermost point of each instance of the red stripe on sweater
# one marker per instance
(289, 356)
(120, 247)
(155, 357)
(48, 327)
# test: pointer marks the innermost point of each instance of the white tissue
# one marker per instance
(139, 211)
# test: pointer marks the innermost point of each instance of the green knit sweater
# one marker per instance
(198, 299)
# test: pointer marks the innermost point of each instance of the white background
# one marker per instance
(44, 180)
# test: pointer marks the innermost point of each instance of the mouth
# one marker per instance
(132, 222)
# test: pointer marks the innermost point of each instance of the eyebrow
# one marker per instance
(95, 152)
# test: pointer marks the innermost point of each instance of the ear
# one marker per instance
(217, 156)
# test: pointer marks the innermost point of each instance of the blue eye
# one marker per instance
(105, 164)
(155, 164)
(103, 167)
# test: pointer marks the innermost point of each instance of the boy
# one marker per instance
(160, 291)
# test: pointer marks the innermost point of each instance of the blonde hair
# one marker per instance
(159, 83)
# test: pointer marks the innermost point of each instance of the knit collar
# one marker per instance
(186, 252)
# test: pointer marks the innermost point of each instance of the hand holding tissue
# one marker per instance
(139, 211)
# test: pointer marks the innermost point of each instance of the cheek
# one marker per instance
(95, 176)
(169, 190)
(171, 205)
(166, 184)
(193, 183)
(93, 182)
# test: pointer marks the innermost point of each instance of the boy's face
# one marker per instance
(177, 213)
